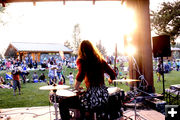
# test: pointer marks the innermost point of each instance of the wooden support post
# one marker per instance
(64, 2)
(94, 2)
(142, 42)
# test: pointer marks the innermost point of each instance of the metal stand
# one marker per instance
(163, 77)
(55, 105)
(136, 115)
(135, 112)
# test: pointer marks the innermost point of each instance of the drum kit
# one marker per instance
(64, 91)
(60, 90)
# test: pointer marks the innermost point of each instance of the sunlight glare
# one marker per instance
(54, 22)
(130, 50)
(128, 21)
(129, 38)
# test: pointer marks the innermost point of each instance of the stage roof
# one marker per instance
(10, 1)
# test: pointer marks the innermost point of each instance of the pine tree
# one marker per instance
(76, 39)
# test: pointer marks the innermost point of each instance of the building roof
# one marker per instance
(43, 47)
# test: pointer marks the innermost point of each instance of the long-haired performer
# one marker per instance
(91, 68)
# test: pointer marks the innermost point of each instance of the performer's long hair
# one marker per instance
(89, 53)
(92, 62)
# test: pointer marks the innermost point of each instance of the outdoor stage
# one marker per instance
(43, 113)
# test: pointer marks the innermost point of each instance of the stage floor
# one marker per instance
(47, 113)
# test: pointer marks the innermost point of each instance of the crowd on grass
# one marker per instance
(55, 69)
(166, 67)
(53, 65)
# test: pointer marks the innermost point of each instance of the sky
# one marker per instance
(54, 22)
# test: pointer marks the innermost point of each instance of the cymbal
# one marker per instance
(51, 87)
(125, 80)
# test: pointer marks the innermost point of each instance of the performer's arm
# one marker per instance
(77, 84)
(80, 75)
(110, 72)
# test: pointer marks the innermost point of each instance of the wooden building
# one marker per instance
(36, 50)
(173, 51)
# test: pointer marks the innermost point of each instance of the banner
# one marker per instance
(61, 53)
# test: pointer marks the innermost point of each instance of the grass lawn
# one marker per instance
(32, 96)
(170, 79)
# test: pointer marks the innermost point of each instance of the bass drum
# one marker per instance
(115, 103)
(113, 109)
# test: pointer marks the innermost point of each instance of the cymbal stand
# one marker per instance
(55, 105)
(136, 115)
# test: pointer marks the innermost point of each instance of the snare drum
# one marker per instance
(115, 91)
(61, 94)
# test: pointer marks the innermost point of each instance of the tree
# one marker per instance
(67, 44)
(2, 52)
(1, 11)
(167, 20)
(1, 56)
(76, 39)
(101, 48)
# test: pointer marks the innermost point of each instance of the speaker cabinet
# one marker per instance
(161, 46)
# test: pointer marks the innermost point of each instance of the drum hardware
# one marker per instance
(136, 115)
(135, 92)
(55, 105)
(54, 88)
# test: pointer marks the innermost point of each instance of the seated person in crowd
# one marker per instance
(43, 65)
(35, 77)
(2, 80)
(30, 65)
(3, 83)
(42, 77)
(35, 64)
